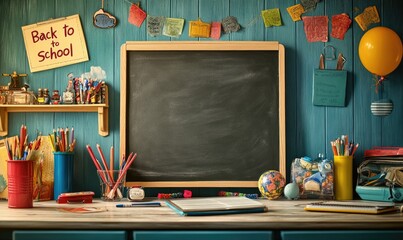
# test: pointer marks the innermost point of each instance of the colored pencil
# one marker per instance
(104, 162)
(111, 194)
(96, 163)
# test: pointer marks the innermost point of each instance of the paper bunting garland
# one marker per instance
(199, 29)
(230, 24)
(136, 15)
(173, 27)
(295, 12)
(155, 25)
(366, 18)
(316, 28)
(271, 17)
(340, 24)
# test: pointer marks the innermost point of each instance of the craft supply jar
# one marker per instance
(20, 175)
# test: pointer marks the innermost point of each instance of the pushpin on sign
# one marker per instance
(55, 43)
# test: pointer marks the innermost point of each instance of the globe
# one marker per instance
(271, 184)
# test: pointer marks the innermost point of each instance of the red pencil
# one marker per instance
(355, 149)
(63, 140)
(126, 167)
(96, 163)
(104, 162)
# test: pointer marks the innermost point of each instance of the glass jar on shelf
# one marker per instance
(39, 97)
(55, 97)
(46, 95)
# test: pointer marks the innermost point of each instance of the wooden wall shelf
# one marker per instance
(102, 109)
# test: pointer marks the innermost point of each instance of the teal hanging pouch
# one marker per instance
(329, 86)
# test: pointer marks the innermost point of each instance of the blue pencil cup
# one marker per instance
(63, 172)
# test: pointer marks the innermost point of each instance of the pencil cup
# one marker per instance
(343, 177)
(63, 172)
(20, 175)
(112, 185)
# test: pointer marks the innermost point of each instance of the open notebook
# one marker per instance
(369, 207)
(215, 205)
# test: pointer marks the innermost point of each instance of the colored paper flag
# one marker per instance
(215, 30)
(136, 15)
(340, 24)
(295, 12)
(155, 25)
(271, 17)
(316, 28)
(366, 18)
(309, 5)
(199, 29)
(230, 24)
(173, 27)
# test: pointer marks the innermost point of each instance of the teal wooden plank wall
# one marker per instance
(309, 128)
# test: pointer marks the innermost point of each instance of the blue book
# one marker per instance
(215, 206)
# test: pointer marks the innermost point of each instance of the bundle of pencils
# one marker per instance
(108, 179)
(62, 140)
(342, 147)
(19, 148)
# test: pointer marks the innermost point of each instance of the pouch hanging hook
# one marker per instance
(332, 52)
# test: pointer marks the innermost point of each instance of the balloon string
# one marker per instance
(379, 83)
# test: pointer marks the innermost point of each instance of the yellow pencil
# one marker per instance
(51, 142)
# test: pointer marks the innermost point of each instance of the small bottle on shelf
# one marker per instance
(46, 95)
(68, 95)
(55, 97)
(40, 98)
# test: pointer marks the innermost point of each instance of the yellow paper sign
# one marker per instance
(55, 43)
(295, 12)
(199, 29)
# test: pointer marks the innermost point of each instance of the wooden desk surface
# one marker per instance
(282, 214)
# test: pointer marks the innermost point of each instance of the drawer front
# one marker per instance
(202, 235)
(345, 235)
(69, 235)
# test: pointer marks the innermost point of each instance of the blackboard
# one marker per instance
(202, 114)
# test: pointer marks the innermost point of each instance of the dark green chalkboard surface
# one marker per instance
(205, 114)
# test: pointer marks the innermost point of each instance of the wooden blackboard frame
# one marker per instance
(203, 46)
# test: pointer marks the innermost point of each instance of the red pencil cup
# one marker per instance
(20, 174)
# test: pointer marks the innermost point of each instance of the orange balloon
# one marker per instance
(380, 51)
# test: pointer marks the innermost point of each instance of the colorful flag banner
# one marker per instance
(199, 29)
(309, 5)
(316, 28)
(366, 18)
(155, 25)
(136, 15)
(216, 30)
(340, 24)
(173, 27)
(230, 24)
(295, 12)
(271, 17)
